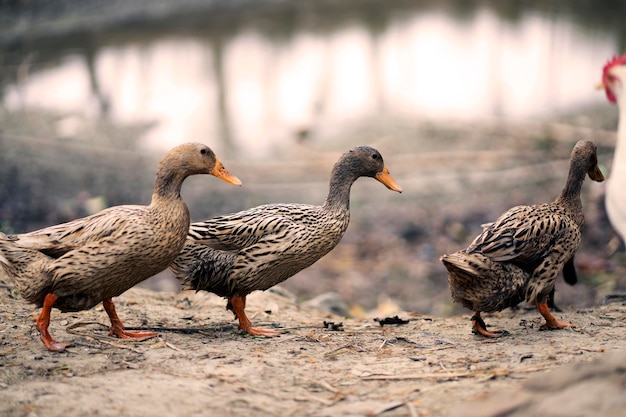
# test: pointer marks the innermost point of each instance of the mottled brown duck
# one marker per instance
(519, 255)
(74, 266)
(235, 254)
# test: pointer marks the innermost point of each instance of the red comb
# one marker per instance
(616, 60)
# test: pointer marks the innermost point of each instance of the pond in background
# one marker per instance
(249, 89)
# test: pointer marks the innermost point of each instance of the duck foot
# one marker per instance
(238, 304)
(117, 328)
(479, 327)
(551, 323)
(43, 321)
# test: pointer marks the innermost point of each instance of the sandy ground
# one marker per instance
(201, 365)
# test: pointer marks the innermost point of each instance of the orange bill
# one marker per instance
(222, 173)
(595, 174)
(387, 180)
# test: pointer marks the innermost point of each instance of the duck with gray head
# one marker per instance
(519, 255)
(235, 254)
(74, 266)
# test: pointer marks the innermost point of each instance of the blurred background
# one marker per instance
(475, 106)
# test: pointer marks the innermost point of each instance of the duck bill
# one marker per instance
(595, 174)
(387, 180)
(222, 173)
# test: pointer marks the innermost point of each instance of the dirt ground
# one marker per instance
(321, 365)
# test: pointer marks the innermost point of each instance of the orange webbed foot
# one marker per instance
(551, 322)
(117, 328)
(479, 327)
(53, 345)
(238, 305)
(260, 332)
(556, 325)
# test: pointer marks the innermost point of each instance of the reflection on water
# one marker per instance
(255, 91)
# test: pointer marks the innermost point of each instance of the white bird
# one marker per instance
(613, 80)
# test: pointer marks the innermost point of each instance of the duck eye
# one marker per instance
(203, 151)
(375, 156)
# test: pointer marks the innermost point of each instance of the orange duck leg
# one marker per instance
(43, 321)
(117, 328)
(237, 304)
(481, 328)
(551, 323)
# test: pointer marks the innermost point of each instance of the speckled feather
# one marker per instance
(502, 285)
(97, 257)
(258, 248)
(523, 251)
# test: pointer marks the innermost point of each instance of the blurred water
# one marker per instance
(249, 89)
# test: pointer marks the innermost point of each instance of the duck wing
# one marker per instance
(56, 241)
(240, 231)
(524, 235)
(255, 249)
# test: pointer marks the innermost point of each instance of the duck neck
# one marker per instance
(168, 184)
(570, 196)
(341, 182)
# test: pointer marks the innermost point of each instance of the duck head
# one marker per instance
(368, 162)
(585, 155)
(196, 158)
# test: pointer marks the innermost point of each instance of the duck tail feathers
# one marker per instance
(199, 267)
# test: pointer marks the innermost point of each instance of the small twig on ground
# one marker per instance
(436, 375)
(440, 348)
(185, 330)
(326, 386)
(71, 328)
(121, 343)
(389, 407)
(172, 346)
(461, 374)
(308, 397)
(344, 349)
(599, 350)
(412, 410)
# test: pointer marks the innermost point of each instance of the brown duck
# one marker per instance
(519, 255)
(74, 266)
(235, 254)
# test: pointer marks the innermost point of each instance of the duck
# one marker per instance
(74, 266)
(613, 82)
(235, 254)
(519, 256)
